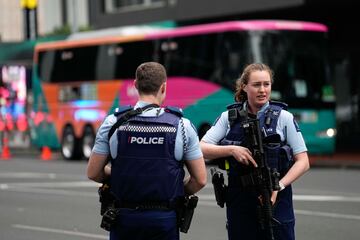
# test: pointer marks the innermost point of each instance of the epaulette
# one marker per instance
(279, 104)
(235, 105)
(174, 110)
(122, 109)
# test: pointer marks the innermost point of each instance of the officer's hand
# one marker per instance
(243, 155)
(273, 197)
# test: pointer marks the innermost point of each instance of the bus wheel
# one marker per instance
(69, 144)
(87, 141)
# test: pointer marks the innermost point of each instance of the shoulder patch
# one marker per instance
(122, 109)
(174, 110)
(279, 104)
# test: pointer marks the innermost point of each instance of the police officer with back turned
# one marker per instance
(149, 146)
(282, 147)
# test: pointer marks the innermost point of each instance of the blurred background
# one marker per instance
(66, 64)
(59, 58)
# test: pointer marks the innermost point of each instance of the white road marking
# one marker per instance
(43, 187)
(326, 198)
(304, 198)
(60, 231)
(327, 214)
(72, 184)
(54, 192)
(304, 212)
(27, 175)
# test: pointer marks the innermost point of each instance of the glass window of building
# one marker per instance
(113, 6)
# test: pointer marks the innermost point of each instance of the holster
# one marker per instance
(219, 186)
(109, 218)
(106, 198)
(108, 210)
(185, 212)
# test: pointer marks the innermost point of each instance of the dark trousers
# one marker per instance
(246, 227)
(145, 224)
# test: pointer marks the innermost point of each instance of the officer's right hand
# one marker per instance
(243, 155)
(273, 197)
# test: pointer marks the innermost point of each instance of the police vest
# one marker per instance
(277, 153)
(145, 169)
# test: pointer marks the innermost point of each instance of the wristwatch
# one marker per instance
(282, 186)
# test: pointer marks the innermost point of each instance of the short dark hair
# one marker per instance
(149, 77)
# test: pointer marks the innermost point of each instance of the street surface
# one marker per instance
(55, 200)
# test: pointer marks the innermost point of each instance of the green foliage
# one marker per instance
(66, 30)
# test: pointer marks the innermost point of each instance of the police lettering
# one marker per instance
(147, 140)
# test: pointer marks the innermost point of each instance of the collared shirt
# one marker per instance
(192, 152)
(286, 128)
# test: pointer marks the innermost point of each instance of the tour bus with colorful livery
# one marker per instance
(77, 83)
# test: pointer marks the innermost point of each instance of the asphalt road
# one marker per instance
(54, 200)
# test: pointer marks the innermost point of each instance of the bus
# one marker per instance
(76, 83)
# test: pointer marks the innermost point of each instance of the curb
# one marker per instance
(337, 160)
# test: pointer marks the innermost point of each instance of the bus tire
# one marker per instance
(70, 148)
(87, 141)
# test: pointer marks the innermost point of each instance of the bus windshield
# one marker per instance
(301, 74)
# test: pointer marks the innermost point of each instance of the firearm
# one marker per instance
(186, 212)
(265, 179)
(219, 186)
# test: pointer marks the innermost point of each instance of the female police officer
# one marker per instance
(148, 152)
(287, 153)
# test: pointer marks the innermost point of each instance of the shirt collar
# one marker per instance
(141, 104)
(262, 109)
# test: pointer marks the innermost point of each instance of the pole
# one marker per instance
(74, 24)
(30, 18)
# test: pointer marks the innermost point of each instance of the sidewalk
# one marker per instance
(337, 160)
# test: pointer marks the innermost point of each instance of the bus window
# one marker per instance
(299, 66)
(190, 56)
(234, 56)
(132, 55)
(67, 65)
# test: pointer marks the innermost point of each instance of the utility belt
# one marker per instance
(113, 209)
(147, 205)
(110, 209)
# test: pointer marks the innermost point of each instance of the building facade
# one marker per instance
(51, 15)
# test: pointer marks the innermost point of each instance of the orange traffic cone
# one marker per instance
(5, 154)
(45, 153)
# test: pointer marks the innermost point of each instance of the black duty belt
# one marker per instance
(147, 205)
(244, 181)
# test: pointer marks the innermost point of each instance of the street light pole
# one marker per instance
(30, 18)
